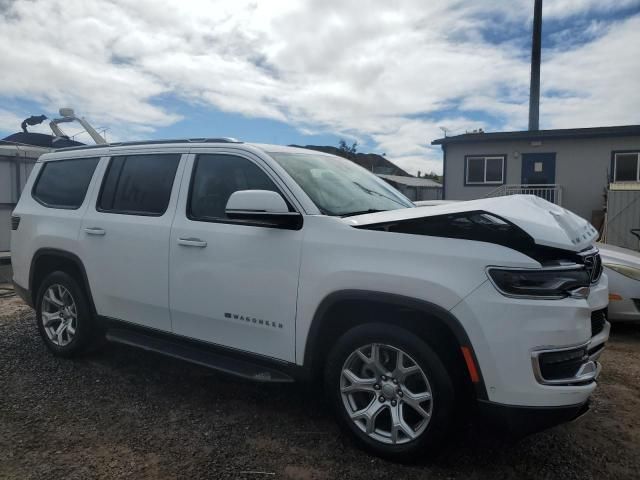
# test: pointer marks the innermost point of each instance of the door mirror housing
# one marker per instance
(262, 208)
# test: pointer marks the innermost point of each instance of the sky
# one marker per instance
(387, 74)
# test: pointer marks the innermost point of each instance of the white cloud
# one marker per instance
(598, 81)
(392, 73)
(9, 121)
(566, 8)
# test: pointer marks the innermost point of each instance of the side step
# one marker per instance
(201, 356)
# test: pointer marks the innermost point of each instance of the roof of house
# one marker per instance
(410, 181)
(39, 140)
(371, 161)
(562, 133)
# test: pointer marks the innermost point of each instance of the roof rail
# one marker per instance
(153, 142)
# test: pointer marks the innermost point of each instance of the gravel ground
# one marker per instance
(123, 413)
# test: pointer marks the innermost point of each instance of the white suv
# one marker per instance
(276, 263)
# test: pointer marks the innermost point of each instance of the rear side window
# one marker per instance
(215, 178)
(139, 184)
(64, 183)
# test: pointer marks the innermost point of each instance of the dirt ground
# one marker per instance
(123, 413)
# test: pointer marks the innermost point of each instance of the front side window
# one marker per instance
(215, 178)
(626, 167)
(64, 183)
(338, 186)
(139, 184)
(481, 170)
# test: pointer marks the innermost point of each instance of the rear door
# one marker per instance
(231, 284)
(125, 237)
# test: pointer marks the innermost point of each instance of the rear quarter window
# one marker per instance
(64, 183)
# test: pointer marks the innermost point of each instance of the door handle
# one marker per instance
(94, 231)
(192, 242)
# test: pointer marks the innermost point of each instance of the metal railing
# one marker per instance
(550, 192)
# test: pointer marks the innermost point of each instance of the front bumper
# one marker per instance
(574, 365)
(520, 421)
(507, 334)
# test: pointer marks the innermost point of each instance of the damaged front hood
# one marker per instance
(546, 223)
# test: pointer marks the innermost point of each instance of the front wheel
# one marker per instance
(390, 390)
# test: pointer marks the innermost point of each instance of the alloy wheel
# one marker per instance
(386, 393)
(59, 315)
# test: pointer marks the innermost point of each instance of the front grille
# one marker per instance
(593, 264)
(563, 364)
(598, 319)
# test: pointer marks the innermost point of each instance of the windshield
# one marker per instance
(340, 187)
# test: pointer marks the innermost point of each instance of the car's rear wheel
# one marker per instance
(391, 390)
(63, 315)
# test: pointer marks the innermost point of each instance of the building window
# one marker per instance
(626, 167)
(487, 170)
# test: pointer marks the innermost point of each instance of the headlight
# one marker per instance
(625, 270)
(541, 283)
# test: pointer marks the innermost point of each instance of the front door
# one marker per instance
(539, 170)
(231, 284)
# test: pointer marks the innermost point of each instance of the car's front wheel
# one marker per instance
(390, 389)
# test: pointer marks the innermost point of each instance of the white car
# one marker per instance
(279, 264)
(623, 270)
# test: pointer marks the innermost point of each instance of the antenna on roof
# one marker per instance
(445, 130)
(68, 115)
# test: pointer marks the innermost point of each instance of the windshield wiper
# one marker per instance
(362, 212)
(373, 192)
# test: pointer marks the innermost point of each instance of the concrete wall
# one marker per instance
(6, 273)
(5, 227)
(582, 166)
(14, 171)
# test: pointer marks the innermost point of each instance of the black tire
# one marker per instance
(443, 398)
(87, 332)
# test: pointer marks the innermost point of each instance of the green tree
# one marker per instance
(348, 151)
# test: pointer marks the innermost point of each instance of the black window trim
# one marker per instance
(614, 154)
(41, 171)
(503, 156)
(196, 158)
(126, 155)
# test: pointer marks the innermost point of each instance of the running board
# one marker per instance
(194, 354)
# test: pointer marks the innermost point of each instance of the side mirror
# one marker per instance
(262, 208)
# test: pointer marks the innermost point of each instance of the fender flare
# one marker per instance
(55, 252)
(448, 319)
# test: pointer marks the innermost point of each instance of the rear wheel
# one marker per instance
(391, 390)
(64, 319)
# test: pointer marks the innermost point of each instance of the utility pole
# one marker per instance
(536, 53)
